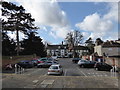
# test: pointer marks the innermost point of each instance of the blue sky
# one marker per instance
(56, 19)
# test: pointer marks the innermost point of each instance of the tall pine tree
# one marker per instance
(17, 20)
(33, 45)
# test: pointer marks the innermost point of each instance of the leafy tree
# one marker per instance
(74, 38)
(16, 20)
(8, 46)
(69, 40)
(33, 45)
(78, 37)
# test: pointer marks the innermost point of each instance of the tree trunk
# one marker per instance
(17, 37)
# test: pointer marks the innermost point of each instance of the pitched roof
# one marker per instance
(110, 44)
(56, 46)
(63, 47)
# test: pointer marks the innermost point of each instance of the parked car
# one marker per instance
(75, 60)
(55, 70)
(42, 60)
(26, 64)
(8, 67)
(46, 64)
(86, 63)
(35, 62)
(102, 66)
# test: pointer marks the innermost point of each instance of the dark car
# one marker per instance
(102, 66)
(86, 64)
(75, 60)
(47, 64)
(35, 62)
(26, 64)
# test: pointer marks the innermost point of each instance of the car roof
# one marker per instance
(25, 61)
(56, 65)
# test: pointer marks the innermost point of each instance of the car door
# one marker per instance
(107, 67)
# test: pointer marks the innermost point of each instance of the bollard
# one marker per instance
(15, 68)
(19, 69)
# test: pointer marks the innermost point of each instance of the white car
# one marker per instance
(81, 62)
(55, 69)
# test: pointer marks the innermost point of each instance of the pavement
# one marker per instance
(73, 77)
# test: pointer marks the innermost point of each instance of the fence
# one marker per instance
(113, 71)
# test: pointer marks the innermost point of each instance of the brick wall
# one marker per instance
(113, 60)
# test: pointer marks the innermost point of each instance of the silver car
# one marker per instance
(82, 61)
(55, 69)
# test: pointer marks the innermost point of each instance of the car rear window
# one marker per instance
(54, 67)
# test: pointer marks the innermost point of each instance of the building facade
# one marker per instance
(110, 50)
(64, 51)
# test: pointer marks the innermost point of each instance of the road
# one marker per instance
(73, 77)
(71, 69)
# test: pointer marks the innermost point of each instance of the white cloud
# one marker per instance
(113, 13)
(47, 13)
(60, 32)
(102, 0)
(85, 35)
(12, 35)
(95, 23)
(100, 25)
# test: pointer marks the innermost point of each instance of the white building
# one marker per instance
(63, 50)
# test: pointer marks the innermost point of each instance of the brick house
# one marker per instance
(110, 51)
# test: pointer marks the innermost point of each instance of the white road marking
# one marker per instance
(83, 73)
(35, 81)
(88, 73)
(45, 74)
(47, 81)
(65, 72)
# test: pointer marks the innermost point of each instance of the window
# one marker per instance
(54, 67)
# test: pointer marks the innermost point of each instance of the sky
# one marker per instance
(56, 19)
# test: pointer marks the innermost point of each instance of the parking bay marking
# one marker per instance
(65, 72)
(35, 81)
(83, 73)
(47, 81)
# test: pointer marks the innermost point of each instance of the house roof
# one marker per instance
(80, 48)
(56, 46)
(63, 47)
(110, 44)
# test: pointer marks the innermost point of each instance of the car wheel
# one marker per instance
(82, 66)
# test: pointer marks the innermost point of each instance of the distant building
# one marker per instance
(65, 51)
(109, 48)
(110, 51)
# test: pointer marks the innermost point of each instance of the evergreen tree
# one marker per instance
(33, 45)
(8, 46)
(17, 20)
